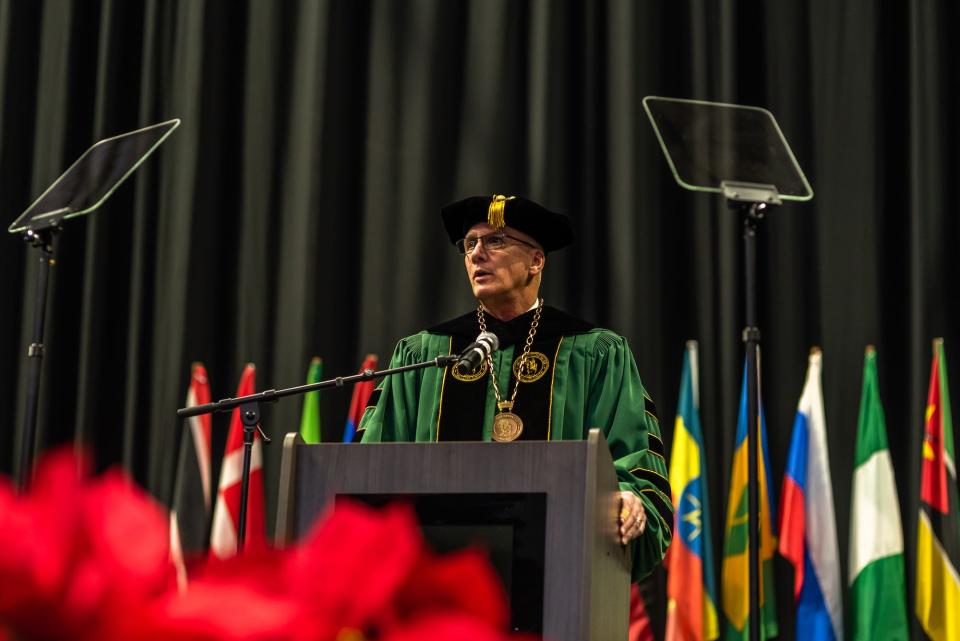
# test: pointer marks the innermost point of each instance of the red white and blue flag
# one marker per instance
(358, 401)
(808, 531)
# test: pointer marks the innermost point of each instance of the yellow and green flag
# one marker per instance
(735, 573)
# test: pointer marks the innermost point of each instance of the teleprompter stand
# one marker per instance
(741, 153)
(81, 189)
(250, 416)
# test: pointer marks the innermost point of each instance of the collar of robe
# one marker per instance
(553, 322)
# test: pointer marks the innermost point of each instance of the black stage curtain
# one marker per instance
(295, 211)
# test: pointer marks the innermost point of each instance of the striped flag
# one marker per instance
(226, 512)
(735, 573)
(877, 580)
(359, 399)
(310, 417)
(691, 591)
(938, 529)
(808, 529)
(190, 507)
(640, 628)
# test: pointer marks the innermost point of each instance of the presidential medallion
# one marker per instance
(531, 367)
(507, 427)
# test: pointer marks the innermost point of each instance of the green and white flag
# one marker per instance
(877, 580)
(310, 416)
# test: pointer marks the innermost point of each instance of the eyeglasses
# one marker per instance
(494, 242)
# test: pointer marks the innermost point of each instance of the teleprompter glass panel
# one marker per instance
(89, 181)
(707, 143)
(510, 527)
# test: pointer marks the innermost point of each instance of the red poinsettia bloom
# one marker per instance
(462, 582)
(88, 558)
(76, 552)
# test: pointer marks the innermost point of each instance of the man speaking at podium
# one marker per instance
(553, 377)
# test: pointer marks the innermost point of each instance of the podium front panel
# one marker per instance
(586, 571)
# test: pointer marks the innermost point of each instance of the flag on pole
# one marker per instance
(878, 583)
(640, 628)
(359, 399)
(226, 512)
(310, 417)
(691, 589)
(808, 529)
(190, 507)
(735, 572)
(938, 528)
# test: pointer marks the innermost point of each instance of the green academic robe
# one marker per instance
(577, 377)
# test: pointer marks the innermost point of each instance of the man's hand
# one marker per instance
(632, 518)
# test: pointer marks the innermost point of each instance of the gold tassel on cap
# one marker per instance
(495, 211)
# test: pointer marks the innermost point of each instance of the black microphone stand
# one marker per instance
(250, 415)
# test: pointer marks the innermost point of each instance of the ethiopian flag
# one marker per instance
(938, 528)
(735, 573)
(691, 589)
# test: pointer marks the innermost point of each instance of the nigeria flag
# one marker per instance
(878, 608)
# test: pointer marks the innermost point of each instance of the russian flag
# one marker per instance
(808, 531)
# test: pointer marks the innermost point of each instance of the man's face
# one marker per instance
(493, 273)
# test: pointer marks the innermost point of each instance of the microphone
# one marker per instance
(477, 351)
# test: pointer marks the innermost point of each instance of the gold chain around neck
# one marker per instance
(523, 357)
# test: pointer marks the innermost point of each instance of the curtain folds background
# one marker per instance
(295, 211)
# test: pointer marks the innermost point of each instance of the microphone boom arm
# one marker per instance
(273, 395)
(250, 415)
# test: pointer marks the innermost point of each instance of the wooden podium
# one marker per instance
(555, 503)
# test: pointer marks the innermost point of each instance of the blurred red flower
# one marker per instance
(86, 557)
(77, 550)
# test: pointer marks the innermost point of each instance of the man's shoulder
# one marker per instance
(422, 345)
(600, 340)
(558, 322)
(465, 325)
(553, 322)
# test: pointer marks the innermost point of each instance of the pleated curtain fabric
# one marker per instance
(295, 210)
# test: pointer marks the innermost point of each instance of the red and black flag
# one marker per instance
(938, 528)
